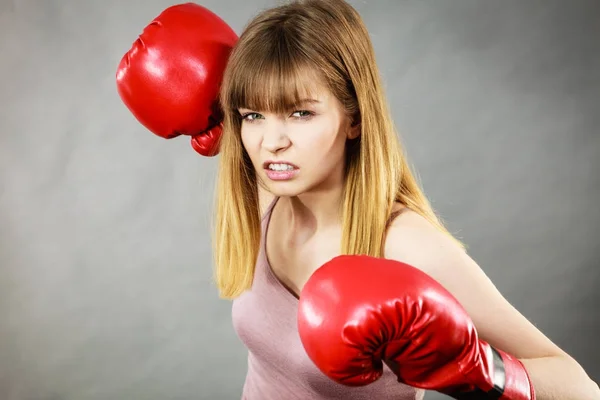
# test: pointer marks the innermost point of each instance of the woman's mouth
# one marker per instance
(280, 170)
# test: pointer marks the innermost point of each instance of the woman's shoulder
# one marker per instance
(412, 238)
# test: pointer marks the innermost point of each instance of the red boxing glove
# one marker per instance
(357, 312)
(170, 77)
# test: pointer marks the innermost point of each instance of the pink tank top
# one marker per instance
(264, 318)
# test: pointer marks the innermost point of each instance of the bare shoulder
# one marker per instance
(411, 238)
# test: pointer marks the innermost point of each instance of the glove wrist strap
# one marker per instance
(509, 379)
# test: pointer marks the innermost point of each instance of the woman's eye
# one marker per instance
(251, 116)
(302, 114)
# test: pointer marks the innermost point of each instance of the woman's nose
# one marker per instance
(275, 137)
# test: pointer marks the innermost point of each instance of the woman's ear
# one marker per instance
(354, 130)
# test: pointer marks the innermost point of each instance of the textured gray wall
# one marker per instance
(105, 260)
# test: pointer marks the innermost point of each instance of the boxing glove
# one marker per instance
(170, 78)
(357, 312)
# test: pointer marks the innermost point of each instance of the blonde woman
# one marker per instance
(345, 284)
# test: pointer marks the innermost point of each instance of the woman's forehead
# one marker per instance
(282, 95)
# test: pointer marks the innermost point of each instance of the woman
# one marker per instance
(310, 168)
(309, 145)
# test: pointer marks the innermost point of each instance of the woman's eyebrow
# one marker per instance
(292, 105)
(305, 101)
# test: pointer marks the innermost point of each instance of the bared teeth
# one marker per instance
(280, 167)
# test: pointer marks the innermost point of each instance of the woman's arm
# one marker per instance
(560, 377)
(554, 374)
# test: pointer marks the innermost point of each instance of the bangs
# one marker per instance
(271, 78)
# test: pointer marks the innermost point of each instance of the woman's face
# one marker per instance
(302, 149)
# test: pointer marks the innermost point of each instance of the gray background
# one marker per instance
(105, 261)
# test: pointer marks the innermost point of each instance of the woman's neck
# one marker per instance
(311, 213)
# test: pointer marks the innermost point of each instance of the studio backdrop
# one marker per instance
(105, 229)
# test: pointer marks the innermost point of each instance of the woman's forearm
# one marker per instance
(560, 378)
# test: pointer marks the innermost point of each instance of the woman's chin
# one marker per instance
(283, 188)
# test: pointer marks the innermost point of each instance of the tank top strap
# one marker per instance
(393, 216)
(261, 267)
(269, 209)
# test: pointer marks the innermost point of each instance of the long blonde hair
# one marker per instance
(267, 70)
